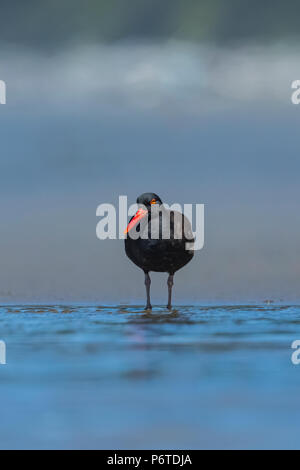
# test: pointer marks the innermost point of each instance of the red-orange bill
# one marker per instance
(138, 216)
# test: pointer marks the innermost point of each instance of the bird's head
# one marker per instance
(148, 200)
(145, 201)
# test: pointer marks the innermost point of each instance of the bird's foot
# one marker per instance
(169, 307)
(148, 307)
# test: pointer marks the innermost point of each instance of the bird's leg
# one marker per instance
(170, 285)
(147, 284)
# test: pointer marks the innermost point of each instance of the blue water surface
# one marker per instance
(117, 377)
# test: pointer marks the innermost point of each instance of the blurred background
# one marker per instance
(191, 100)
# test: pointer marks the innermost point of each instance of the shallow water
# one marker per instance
(117, 377)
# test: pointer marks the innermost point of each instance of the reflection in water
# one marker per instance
(121, 377)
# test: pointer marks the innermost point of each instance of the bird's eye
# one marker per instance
(153, 201)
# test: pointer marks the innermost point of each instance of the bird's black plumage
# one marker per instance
(162, 242)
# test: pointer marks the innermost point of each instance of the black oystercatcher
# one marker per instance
(159, 240)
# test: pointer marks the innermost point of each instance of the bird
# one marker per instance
(156, 240)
